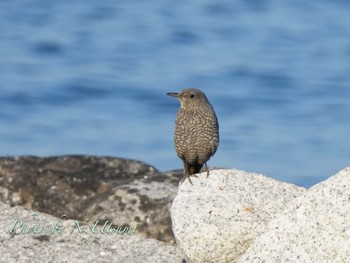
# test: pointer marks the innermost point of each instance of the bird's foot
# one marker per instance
(189, 178)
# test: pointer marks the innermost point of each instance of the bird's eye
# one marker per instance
(191, 96)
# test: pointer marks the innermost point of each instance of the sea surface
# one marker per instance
(90, 77)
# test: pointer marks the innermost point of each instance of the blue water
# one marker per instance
(90, 77)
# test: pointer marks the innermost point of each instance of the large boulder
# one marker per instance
(314, 227)
(117, 190)
(218, 217)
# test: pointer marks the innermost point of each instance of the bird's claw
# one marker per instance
(189, 178)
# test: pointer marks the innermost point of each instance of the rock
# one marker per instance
(315, 227)
(121, 191)
(144, 202)
(27, 236)
(217, 218)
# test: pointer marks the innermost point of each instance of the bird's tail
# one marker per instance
(193, 168)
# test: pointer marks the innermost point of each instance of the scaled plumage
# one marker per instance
(196, 130)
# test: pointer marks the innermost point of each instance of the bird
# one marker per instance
(196, 136)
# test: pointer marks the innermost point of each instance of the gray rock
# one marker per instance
(315, 227)
(121, 191)
(27, 236)
(217, 218)
(142, 203)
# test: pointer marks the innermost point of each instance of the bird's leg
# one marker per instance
(189, 179)
(187, 175)
(206, 168)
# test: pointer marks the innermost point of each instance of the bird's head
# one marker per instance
(191, 98)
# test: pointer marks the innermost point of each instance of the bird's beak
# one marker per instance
(173, 94)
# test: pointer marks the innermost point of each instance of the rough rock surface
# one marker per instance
(314, 228)
(124, 192)
(217, 218)
(27, 236)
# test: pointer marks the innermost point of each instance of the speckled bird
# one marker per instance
(196, 130)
